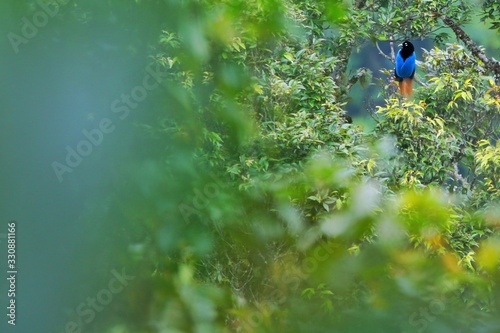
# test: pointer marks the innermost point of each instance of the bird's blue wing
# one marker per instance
(405, 67)
(399, 63)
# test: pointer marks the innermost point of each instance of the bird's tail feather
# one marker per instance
(406, 87)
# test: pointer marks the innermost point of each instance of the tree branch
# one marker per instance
(393, 55)
(382, 53)
(491, 64)
(355, 78)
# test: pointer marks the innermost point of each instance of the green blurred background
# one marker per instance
(131, 204)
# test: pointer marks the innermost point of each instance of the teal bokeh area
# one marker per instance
(61, 74)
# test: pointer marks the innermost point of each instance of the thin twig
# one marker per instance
(423, 84)
(391, 44)
(382, 53)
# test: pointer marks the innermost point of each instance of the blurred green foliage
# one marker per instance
(262, 208)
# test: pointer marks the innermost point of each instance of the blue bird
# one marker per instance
(405, 68)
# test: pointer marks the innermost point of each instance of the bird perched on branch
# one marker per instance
(405, 68)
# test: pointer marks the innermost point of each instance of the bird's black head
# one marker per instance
(407, 49)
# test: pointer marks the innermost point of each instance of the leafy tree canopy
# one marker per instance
(263, 207)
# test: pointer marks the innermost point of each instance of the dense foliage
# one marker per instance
(264, 208)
